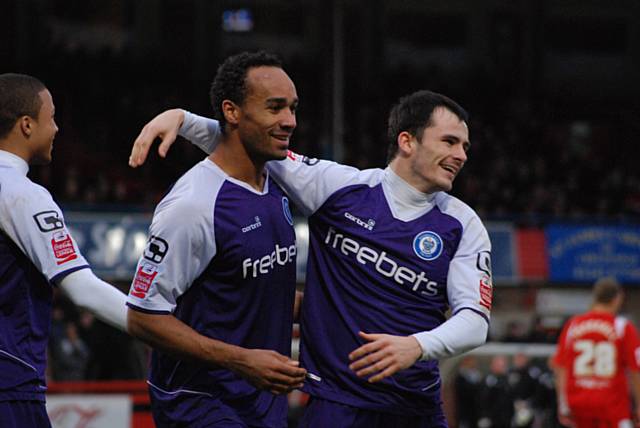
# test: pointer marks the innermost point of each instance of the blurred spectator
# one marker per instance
(115, 355)
(522, 379)
(71, 355)
(545, 404)
(540, 333)
(516, 332)
(496, 400)
(468, 387)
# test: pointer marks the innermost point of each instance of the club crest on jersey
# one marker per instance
(286, 210)
(144, 278)
(63, 249)
(427, 245)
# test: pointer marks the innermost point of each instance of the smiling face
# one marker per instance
(43, 131)
(267, 117)
(438, 156)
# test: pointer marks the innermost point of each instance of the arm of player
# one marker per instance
(202, 132)
(93, 294)
(560, 378)
(386, 354)
(265, 369)
(308, 182)
(35, 223)
(557, 363)
(460, 333)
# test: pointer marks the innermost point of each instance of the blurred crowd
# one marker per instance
(523, 165)
(515, 392)
(82, 347)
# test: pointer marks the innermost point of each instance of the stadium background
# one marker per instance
(552, 88)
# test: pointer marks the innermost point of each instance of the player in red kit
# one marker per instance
(597, 352)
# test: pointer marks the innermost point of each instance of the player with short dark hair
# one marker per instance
(409, 113)
(37, 252)
(598, 351)
(390, 253)
(214, 291)
(231, 83)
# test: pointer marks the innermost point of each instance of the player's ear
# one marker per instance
(25, 123)
(406, 143)
(231, 112)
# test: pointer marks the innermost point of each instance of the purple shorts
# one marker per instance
(20, 414)
(323, 413)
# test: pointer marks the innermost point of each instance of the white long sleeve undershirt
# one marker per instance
(90, 292)
(460, 333)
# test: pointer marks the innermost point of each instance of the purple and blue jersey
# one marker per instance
(220, 258)
(36, 250)
(383, 258)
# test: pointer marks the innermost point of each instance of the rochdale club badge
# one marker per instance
(427, 245)
(286, 210)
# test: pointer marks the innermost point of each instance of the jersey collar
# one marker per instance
(406, 192)
(8, 158)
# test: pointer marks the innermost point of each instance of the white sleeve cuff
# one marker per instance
(460, 333)
(103, 299)
(202, 132)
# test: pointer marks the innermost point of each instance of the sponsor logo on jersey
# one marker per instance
(156, 249)
(287, 210)
(382, 263)
(48, 221)
(369, 224)
(300, 158)
(486, 292)
(144, 278)
(483, 262)
(63, 248)
(280, 256)
(427, 245)
(253, 226)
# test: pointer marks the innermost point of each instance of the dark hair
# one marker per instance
(413, 113)
(605, 290)
(19, 96)
(230, 82)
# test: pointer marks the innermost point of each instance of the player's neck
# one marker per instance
(16, 147)
(604, 309)
(403, 170)
(236, 162)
